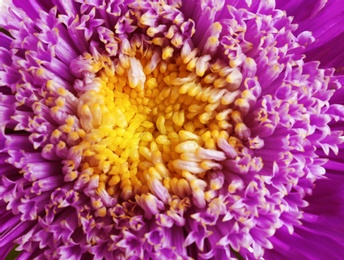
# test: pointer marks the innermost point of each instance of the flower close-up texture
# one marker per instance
(172, 129)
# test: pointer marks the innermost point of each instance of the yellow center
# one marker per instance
(154, 123)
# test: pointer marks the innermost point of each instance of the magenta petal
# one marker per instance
(324, 19)
(301, 10)
(171, 129)
(329, 53)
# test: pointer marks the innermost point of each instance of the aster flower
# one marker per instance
(170, 130)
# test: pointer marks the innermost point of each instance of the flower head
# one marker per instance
(162, 129)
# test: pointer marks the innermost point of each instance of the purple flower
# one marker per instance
(171, 129)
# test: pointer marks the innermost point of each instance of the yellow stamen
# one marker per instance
(152, 126)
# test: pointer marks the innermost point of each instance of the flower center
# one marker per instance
(157, 123)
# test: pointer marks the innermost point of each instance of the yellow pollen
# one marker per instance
(148, 125)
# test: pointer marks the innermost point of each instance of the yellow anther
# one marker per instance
(134, 154)
(211, 107)
(198, 184)
(234, 78)
(48, 148)
(61, 145)
(229, 97)
(65, 128)
(70, 120)
(160, 123)
(224, 124)
(152, 83)
(60, 101)
(210, 144)
(210, 195)
(188, 55)
(216, 28)
(212, 43)
(220, 83)
(216, 95)
(183, 188)
(178, 118)
(173, 184)
(243, 104)
(208, 164)
(224, 71)
(103, 177)
(104, 166)
(96, 203)
(135, 123)
(146, 136)
(127, 192)
(205, 94)
(129, 114)
(242, 130)
(223, 115)
(192, 64)
(215, 134)
(101, 212)
(190, 156)
(114, 180)
(153, 174)
(163, 139)
(177, 40)
(188, 176)
(154, 146)
(236, 116)
(188, 166)
(88, 153)
(173, 136)
(170, 32)
(70, 176)
(145, 152)
(167, 53)
(202, 65)
(210, 78)
(187, 146)
(187, 135)
(186, 87)
(163, 67)
(161, 168)
(40, 72)
(168, 109)
(205, 117)
(62, 91)
(195, 90)
(195, 108)
(156, 157)
(165, 92)
(100, 156)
